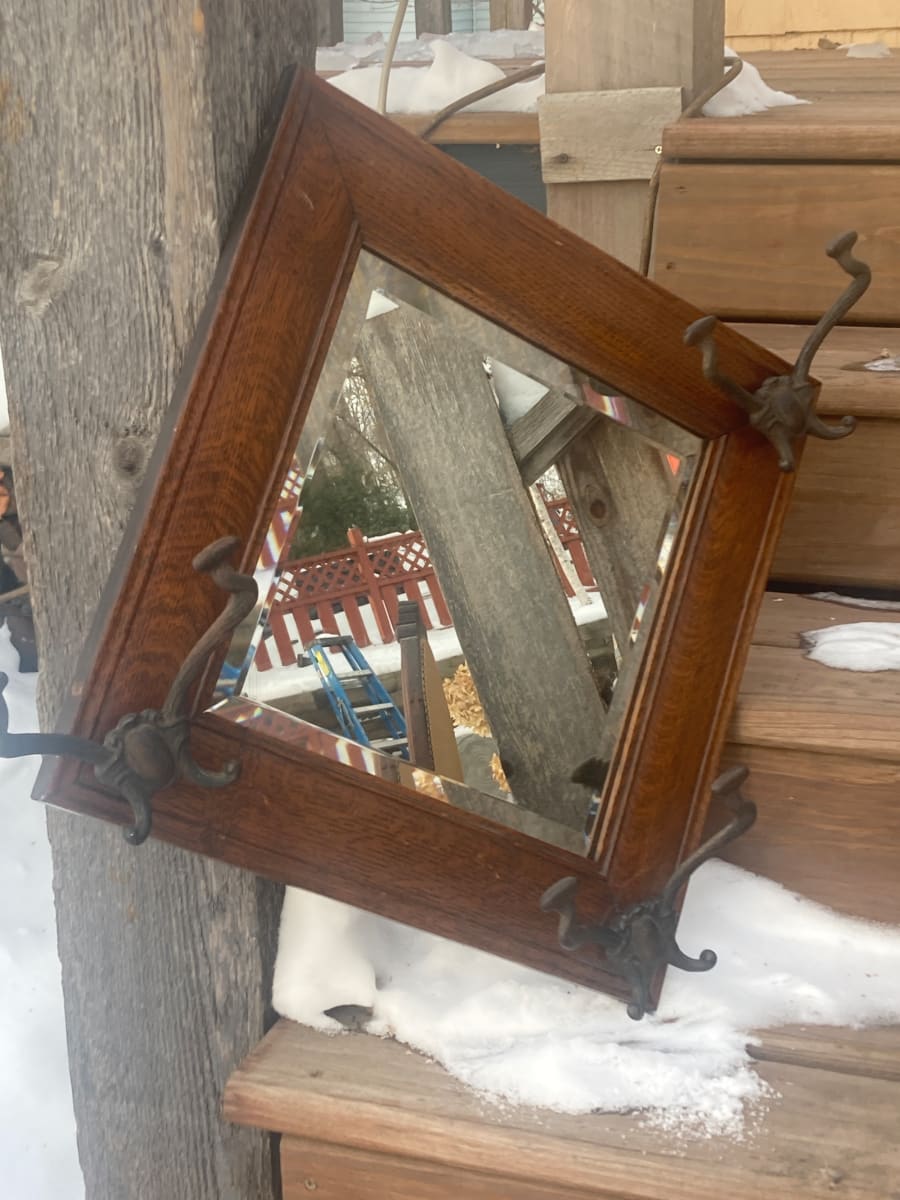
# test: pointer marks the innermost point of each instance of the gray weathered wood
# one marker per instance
(511, 14)
(433, 16)
(511, 616)
(329, 22)
(632, 121)
(617, 486)
(127, 132)
(541, 435)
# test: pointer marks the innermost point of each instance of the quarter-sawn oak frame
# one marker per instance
(337, 178)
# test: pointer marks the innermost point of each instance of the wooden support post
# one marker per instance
(513, 621)
(636, 44)
(329, 22)
(511, 14)
(125, 181)
(619, 65)
(433, 16)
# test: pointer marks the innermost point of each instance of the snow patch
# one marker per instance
(37, 1125)
(523, 1037)
(863, 646)
(453, 72)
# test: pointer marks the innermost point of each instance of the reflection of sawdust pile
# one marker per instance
(463, 703)
(428, 783)
(465, 709)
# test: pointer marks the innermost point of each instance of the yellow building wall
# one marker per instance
(798, 24)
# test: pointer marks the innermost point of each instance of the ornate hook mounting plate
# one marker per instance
(641, 940)
(781, 409)
(148, 750)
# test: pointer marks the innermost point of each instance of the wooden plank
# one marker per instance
(843, 526)
(338, 1173)
(825, 131)
(591, 47)
(620, 490)
(159, 1006)
(783, 617)
(476, 128)
(817, 72)
(766, 227)
(428, 385)
(510, 14)
(540, 436)
(433, 16)
(828, 826)
(846, 388)
(370, 1095)
(632, 120)
(789, 701)
(873, 1053)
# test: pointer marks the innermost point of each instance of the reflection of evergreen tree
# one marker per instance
(343, 494)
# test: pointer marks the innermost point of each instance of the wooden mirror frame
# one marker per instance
(335, 179)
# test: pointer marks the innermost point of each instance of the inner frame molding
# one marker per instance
(334, 179)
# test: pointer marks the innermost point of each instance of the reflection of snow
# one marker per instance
(383, 659)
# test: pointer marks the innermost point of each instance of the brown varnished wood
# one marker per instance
(601, 312)
(339, 178)
(746, 241)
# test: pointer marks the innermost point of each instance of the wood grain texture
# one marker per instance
(846, 388)
(409, 856)
(872, 1053)
(747, 241)
(591, 48)
(336, 1173)
(844, 524)
(529, 666)
(372, 1096)
(828, 827)
(632, 120)
(510, 14)
(129, 143)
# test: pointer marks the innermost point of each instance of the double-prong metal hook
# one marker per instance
(781, 409)
(641, 940)
(149, 750)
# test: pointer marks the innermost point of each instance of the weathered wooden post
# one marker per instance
(125, 133)
(617, 73)
(513, 621)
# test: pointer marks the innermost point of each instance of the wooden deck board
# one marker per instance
(374, 1096)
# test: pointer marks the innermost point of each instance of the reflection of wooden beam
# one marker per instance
(512, 619)
(476, 128)
(617, 486)
(538, 438)
(329, 22)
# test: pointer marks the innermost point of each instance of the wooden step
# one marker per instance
(843, 526)
(823, 748)
(365, 1117)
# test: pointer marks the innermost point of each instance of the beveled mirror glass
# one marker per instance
(448, 465)
(443, 427)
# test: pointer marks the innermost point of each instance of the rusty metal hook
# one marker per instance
(638, 942)
(781, 408)
(149, 750)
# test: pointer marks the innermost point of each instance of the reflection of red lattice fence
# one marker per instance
(356, 590)
(568, 533)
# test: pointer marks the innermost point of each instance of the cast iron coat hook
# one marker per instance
(149, 750)
(781, 409)
(641, 940)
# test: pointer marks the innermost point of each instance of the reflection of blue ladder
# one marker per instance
(355, 719)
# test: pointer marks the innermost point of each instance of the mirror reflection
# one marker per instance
(461, 572)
